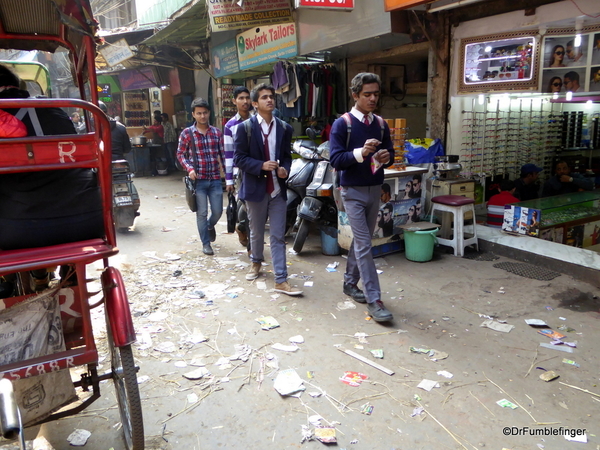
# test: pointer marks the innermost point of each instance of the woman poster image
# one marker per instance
(557, 57)
(554, 85)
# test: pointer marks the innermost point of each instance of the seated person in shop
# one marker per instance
(496, 203)
(526, 185)
(50, 207)
(565, 182)
(120, 142)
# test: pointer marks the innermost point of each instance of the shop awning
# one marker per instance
(184, 31)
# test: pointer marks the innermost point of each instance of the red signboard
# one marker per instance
(325, 4)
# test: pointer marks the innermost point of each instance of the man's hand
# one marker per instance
(270, 165)
(370, 147)
(382, 156)
(192, 175)
(281, 172)
(566, 179)
(230, 188)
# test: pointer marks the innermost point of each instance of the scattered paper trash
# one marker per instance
(297, 339)
(261, 285)
(268, 322)
(196, 374)
(307, 434)
(346, 305)
(445, 373)
(551, 333)
(285, 348)
(165, 347)
(506, 404)
(549, 375)
(325, 435)
(502, 327)
(308, 283)
(180, 364)
(158, 316)
(192, 398)
(577, 438)
(78, 438)
(142, 379)
(535, 322)
(428, 385)
(288, 382)
(377, 353)
(570, 362)
(417, 411)
(561, 348)
(353, 378)
(367, 409)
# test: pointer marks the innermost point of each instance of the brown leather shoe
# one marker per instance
(286, 289)
(254, 271)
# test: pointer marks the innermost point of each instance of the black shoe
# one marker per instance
(353, 291)
(207, 250)
(378, 312)
(213, 234)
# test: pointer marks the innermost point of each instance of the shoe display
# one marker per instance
(286, 289)
(353, 291)
(254, 271)
(378, 312)
(213, 234)
(242, 235)
(207, 250)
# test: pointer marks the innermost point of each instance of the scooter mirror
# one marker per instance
(311, 134)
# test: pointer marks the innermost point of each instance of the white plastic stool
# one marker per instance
(457, 205)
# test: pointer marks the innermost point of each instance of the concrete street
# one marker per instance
(438, 306)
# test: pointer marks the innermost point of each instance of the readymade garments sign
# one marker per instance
(227, 15)
(264, 45)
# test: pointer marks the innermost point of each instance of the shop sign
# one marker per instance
(143, 78)
(225, 59)
(325, 4)
(264, 45)
(227, 15)
(116, 53)
(392, 5)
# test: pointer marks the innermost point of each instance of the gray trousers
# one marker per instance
(274, 209)
(362, 204)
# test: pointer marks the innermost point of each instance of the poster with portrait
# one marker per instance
(591, 234)
(596, 49)
(561, 52)
(595, 79)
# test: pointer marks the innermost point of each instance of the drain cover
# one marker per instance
(528, 270)
(479, 256)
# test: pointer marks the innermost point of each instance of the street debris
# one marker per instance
(377, 353)
(366, 409)
(325, 435)
(549, 375)
(428, 385)
(353, 378)
(297, 339)
(506, 404)
(288, 382)
(268, 322)
(285, 348)
(366, 361)
(551, 333)
(570, 362)
(196, 374)
(536, 322)
(496, 326)
(79, 437)
(561, 348)
(434, 355)
(445, 373)
(346, 305)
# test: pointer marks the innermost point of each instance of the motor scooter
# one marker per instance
(126, 200)
(318, 206)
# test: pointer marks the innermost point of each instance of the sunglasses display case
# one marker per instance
(500, 62)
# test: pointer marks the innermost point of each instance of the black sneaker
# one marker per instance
(378, 312)
(213, 234)
(353, 291)
(207, 250)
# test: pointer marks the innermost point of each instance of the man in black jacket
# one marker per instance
(120, 143)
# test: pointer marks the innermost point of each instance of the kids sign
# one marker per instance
(264, 45)
(325, 4)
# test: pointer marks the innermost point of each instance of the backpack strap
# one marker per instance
(248, 127)
(33, 117)
(348, 121)
(381, 125)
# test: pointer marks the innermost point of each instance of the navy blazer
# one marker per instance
(249, 158)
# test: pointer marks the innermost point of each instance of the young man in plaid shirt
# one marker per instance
(207, 142)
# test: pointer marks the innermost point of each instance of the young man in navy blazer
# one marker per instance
(263, 154)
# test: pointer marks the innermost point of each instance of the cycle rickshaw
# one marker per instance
(65, 308)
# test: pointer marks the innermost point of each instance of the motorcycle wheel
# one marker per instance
(301, 235)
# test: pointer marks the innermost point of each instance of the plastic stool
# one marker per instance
(457, 205)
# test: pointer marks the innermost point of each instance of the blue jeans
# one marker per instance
(208, 191)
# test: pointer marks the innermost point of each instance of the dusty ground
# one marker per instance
(437, 305)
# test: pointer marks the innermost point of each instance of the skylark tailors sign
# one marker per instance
(264, 45)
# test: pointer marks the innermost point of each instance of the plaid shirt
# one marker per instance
(209, 149)
(228, 131)
(170, 134)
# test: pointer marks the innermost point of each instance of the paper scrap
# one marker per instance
(325, 435)
(506, 404)
(285, 348)
(428, 385)
(549, 375)
(535, 322)
(502, 327)
(445, 373)
(288, 382)
(353, 378)
(551, 333)
(377, 353)
(579, 438)
(308, 283)
(196, 374)
(298, 339)
(78, 438)
(561, 348)
(570, 362)
(268, 322)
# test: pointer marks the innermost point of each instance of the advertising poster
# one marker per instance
(403, 208)
(225, 59)
(227, 15)
(264, 45)
(522, 221)
(143, 78)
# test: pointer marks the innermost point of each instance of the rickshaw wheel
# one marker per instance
(124, 375)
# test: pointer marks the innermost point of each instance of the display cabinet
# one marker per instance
(499, 62)
(572, 219)
(136, 108)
